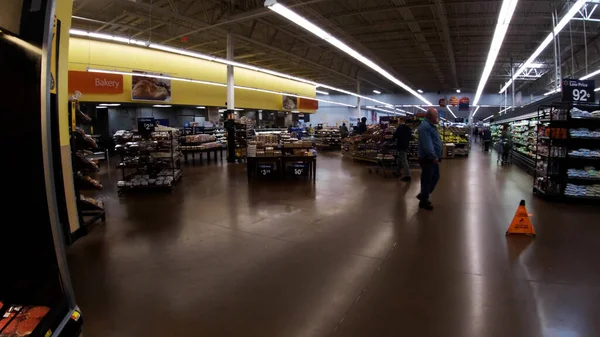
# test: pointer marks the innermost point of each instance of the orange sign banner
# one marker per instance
(521, 224)
(308, 104)
(95, 83)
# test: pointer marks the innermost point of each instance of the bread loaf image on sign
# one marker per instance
(146, 89)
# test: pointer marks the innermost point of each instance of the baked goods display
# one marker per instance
(20, 321)
(84, 167)
(151, 161)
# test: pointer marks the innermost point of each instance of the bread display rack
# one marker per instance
(89, 210)
(149, 160)
(196, 139)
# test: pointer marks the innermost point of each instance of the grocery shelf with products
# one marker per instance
(149, 160)
(90, 210)
(373, 146)
(201, 143)
(455, 140)
(328, 138)
(524, 143)
(568, 138)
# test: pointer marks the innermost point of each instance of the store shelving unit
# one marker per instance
(328, 139)
(89, 210)
(524, 143)
(148, 161)
(568, 151)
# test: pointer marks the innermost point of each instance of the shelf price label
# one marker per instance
(146, 125)
(299, 169)
(579, 91)
(265, 170)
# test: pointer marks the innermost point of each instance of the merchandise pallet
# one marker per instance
(568, 152)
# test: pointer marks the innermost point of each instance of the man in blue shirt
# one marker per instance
(430, 155)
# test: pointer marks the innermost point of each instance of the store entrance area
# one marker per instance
(351, 255)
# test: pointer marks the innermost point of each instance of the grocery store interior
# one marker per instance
(261, 168)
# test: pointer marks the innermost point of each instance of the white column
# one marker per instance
(358, 98)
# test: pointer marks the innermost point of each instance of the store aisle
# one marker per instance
(349, 256)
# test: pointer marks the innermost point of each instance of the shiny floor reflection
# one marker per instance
(349, 256)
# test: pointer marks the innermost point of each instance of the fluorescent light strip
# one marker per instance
(504, 17)
(485, 119)
(597, 89)
(590, 75)
(561, 24)
(377, 92)
(418, 107)
(419, 91)
(552, 92)
(161, 106)
(370, 107)
(200, 107)
(110, 104)
(322, 92)
(474, 112)
(309, 26)
(92, 70)
(184, 52)
(447, 107)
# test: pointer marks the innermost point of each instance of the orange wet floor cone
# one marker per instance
(521, 223)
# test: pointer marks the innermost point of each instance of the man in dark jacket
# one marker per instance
(362, 126)
(430, 155)
(403, 136)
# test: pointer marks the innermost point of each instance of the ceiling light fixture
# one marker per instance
(507, 108)
(419, 91)
(552, 92)
(322, 92)
(447, 107)
(110, 104)
(309, 26)
(504, 17)
(458, 91)
(370, 107)
(590, 75)
(200, 107)
(92, 70)
(561, 24)
(474, 112)
(101, 107)
(184, 52)
(488, 117)
(377, 92)
(161, 106)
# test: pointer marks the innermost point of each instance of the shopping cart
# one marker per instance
(386, 160)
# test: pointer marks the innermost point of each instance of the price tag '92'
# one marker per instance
(580, 95)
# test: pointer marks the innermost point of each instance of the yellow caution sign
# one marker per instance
(521, 224)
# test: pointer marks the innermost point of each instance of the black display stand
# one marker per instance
(34, 270)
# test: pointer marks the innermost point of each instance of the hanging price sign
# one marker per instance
(578, 91)
(146, 125)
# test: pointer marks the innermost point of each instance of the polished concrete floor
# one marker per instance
(351, 255)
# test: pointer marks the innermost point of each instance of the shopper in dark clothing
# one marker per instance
(403, 136)
(430, 154)
(487, 139)
(362, 126)
(344, 130)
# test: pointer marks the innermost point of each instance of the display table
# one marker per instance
(276, 166)
(215, 151)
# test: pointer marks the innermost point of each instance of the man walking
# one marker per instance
(430, 154)
(403, 136)
(362, 126)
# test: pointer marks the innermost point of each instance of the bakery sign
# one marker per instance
(95, 83)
